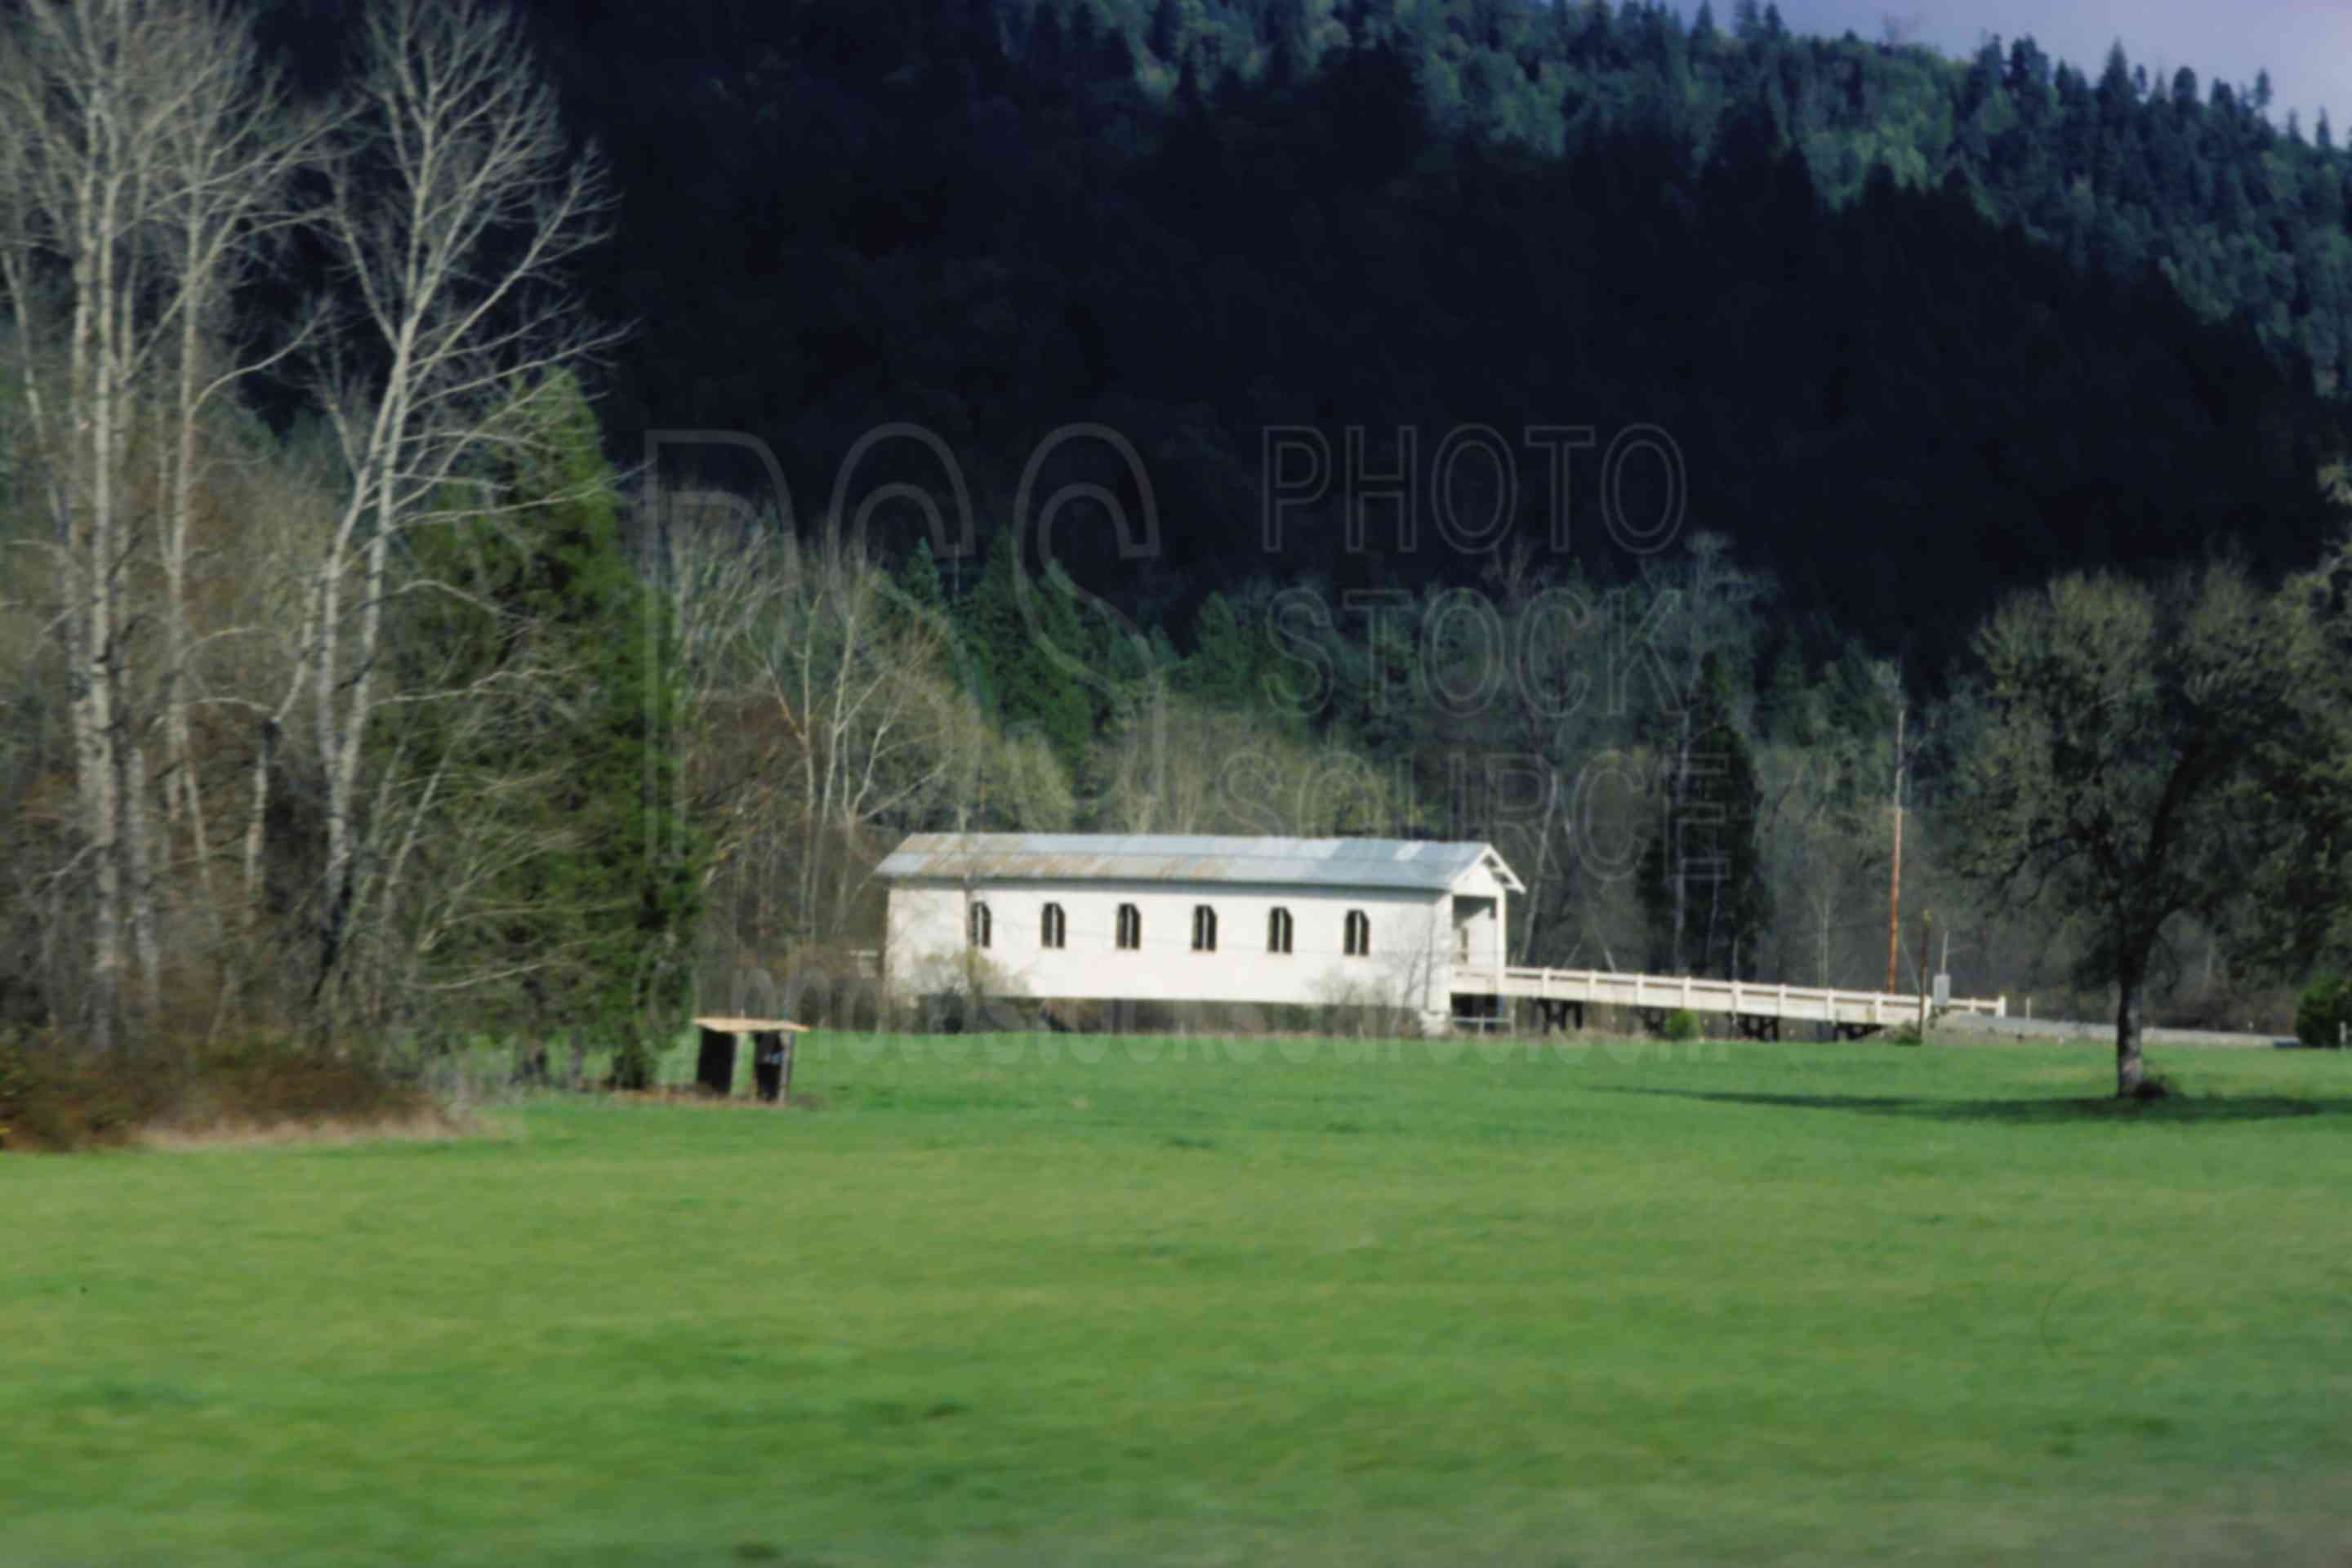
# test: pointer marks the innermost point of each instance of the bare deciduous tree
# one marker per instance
(456, 203)
(137, 144)
(1824, 846)
(230, 161)
(837, 703)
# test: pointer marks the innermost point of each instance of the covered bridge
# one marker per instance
(1174, 918)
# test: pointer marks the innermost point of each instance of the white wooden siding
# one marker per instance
(1409, 963)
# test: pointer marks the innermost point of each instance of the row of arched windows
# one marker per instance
(1054, 930)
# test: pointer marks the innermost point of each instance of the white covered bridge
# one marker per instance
(1420, 927)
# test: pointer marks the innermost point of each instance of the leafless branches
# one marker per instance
(456, 201)
(140, 148)
(149, 166)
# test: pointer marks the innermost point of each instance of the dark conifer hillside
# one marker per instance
(1921, 327)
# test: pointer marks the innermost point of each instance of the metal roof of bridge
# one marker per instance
(1190, 857)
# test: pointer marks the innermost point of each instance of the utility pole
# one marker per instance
(1894, 875)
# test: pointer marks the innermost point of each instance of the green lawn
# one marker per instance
(1091, 1301)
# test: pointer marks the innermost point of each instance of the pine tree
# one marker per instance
(1085, 37)
(918, 579)
(2116, 81)
(1026, 640)
(600, 912)
(918, 595)
(1049, 50)
(1165, 34)
(1224, 669)
(1288, 32)
(1189, 96)
(1101, 48)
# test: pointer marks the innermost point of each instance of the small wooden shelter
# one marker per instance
(772, 1056)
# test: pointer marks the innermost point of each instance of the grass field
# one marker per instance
(1064, 1302)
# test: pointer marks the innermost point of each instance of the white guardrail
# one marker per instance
(1605, 988)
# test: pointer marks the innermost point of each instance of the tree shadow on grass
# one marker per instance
(2177, 1110)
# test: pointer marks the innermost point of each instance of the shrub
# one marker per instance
(55, 1096)
(956, 993)
(636, 1065)
(1682, 1023)
(51, 1097)
(19, 1089)
(279, 1083)
(2321, 1017)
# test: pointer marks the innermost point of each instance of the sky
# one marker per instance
(2306, 44)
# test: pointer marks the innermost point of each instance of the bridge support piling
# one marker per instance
(1556, 1012)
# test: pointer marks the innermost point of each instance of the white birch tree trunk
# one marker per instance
(456, 200)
